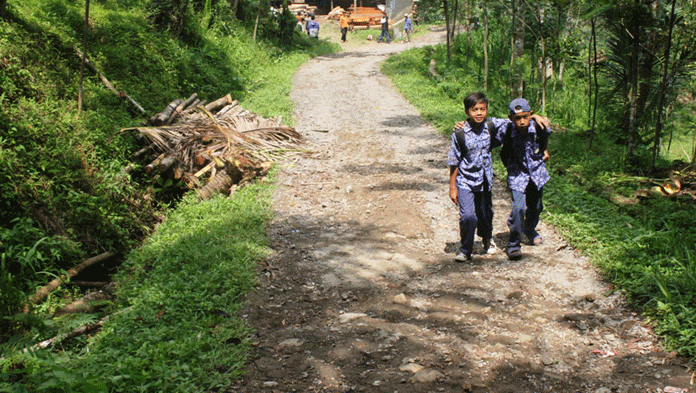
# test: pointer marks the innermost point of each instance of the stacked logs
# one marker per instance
(212, 147)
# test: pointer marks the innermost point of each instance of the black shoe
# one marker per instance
(514, 255)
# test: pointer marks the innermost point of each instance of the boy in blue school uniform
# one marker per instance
(313, 28)
(471, 172)
(527, 153)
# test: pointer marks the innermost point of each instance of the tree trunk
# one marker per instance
(596, 81)
(445, 5)
(84, 55)
(256, 23)
(234, 6)
(517, 49)
(3, 6)
(485, 47)
(663, 89)
(633, 95)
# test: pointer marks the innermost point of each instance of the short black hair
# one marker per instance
(473, 99)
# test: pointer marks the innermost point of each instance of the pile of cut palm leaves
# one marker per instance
(213, 147)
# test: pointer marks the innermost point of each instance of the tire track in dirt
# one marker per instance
(362, 294)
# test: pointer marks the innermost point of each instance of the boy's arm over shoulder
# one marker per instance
(501, 127)
(542, 122)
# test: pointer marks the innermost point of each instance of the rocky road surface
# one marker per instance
(362, 294)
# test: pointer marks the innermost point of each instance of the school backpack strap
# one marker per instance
(506, 150)
(461, 139)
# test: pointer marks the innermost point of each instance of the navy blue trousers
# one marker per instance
(524, 217)
(475, 215)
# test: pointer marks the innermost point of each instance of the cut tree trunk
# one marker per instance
(167, 163)
(50, 287)
(155, 163)
(180, 108)
(219, 103)
(162, 117)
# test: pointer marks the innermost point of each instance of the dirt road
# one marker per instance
(362, 293)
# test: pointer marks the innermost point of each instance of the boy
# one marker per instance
(344, 25)
(313, 28)
(407, 28)
(471, 172)
(384, 20)
(526, 146)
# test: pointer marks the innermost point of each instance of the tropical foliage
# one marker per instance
(606, 73)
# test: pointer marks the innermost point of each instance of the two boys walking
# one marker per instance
(524, 137)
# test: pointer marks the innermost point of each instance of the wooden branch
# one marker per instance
(193, 106)
(219, 103)
(91, 284)
(84, 304)
(162, 117)
(142, 151)
(151, 166)
(108, 84)
(74, 333)
(167, 163)
(226, 109)
(205, 169)
(181, 107)
(44, 291)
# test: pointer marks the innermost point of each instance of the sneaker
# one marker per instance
(461, 257)
(489, 247)
(514, 255)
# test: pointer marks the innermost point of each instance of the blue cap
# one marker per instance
(519, 105)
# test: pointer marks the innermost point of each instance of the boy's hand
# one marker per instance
(546, 155)
(459, 125)
(453, 195)
(542, 121)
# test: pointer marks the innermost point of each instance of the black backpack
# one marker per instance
(506, 150)
(461, 140)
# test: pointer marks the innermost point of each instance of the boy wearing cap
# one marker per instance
(525, 144)
(471, 172)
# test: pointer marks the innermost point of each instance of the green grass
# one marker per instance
(175, 327)
(63, 198)
(644, 248)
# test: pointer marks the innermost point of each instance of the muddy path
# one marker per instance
(362, 293)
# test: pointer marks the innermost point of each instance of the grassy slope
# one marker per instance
(645, 249)
(174, 327)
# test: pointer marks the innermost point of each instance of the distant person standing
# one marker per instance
(385, 27)
(344, 25)
(313, 28)
(407, 28)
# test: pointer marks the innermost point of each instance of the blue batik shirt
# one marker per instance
(474, 160)
(527, 158)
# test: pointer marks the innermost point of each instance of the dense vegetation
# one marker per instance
(645, 246)
(64, 195)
